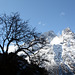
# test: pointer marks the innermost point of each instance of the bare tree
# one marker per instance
(14, 29)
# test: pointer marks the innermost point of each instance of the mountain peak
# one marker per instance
(67, 31)
(49, 35)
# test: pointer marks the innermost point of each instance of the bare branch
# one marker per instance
(14, 29)
(2, 48)
(13, 39)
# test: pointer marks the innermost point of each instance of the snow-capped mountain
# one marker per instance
(49, 36)
(59, 53)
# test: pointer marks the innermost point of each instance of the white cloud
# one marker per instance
(43, 24)
(62, 14)
(39, 22)
(12, 48)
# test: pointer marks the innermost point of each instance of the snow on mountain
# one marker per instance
(49, 35)
(60, 52)
(58, 56)
(57, 40)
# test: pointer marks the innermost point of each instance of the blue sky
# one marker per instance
(45, 15)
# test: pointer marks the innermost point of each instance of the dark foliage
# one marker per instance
(12, 64)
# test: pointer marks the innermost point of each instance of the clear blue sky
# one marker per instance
(45, 15)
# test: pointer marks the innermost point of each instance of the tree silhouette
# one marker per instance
(14, 29)
(17, 65)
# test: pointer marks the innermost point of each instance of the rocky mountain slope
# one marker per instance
(58, 56)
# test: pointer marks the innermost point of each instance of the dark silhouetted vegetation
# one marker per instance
(12, 64)
(14, 30)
